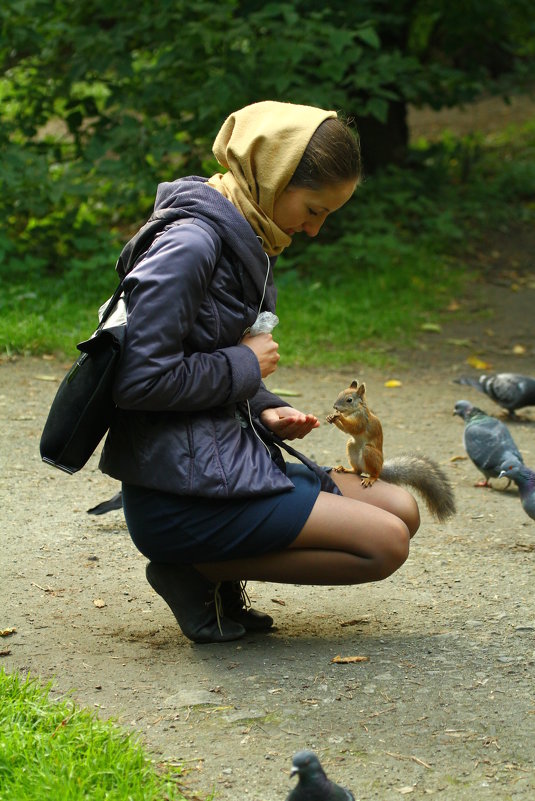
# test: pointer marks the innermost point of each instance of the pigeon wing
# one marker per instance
(511, 390)
(488, 443)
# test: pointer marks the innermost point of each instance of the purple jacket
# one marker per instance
(182, 423)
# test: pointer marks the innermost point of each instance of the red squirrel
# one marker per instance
(365, 448)
(365, 453)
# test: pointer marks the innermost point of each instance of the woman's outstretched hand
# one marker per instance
(266, 351)
(288, 423)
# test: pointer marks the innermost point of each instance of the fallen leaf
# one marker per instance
(346, 660)
(278, 601)
(5, 652)
(288, 393)
(458, 458)
(519, 350)
(434, 327)
(7, 632)
(393, 382)
(479, 364)
(405, 790)
(453, 306)
(99, 603)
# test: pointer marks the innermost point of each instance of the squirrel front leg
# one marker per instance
(338, 420)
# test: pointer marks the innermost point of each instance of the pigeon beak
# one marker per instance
(293, 771)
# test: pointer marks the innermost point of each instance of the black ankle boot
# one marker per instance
(237, 607)
(194, 601)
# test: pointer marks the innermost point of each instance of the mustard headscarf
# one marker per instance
(260, 146)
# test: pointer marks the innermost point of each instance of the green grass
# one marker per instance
(54, 750)
(361, 318)
(387, 264)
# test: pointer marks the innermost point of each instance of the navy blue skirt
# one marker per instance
(182, 529)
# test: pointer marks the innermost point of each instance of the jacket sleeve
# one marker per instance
(264, 399)
(165, 292)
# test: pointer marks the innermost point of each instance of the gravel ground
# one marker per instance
(444, 703)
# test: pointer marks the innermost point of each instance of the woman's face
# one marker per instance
(306, 210)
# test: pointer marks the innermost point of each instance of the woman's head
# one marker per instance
(268, 146)
(323, 181)
(331, 157)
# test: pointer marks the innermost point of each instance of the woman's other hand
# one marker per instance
(289, 423)
(266, 351)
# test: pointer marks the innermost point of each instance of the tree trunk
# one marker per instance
(384, 143)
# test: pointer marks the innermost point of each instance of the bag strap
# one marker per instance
(326, 482)
(111, 304)
(136, 247)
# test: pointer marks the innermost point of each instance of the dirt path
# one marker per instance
(445, 705)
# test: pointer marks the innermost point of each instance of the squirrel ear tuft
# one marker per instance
(361, 390)
(354, 384)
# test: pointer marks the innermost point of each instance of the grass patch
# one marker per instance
(54, 750)
(363, 316)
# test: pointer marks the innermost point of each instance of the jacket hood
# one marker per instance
(197, 199)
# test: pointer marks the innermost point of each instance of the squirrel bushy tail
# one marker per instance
(426, 477)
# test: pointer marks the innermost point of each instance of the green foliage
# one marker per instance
(102, 101)
(56, 750)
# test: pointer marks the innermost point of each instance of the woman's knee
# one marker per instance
(411, 515)
(394, 551)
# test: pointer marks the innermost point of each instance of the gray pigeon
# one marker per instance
(524, 478)
(511, 391)
(487, 441)
(313, 784)
(116, 502)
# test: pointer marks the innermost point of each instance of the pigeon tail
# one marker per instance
(471, 382)
(116, 502)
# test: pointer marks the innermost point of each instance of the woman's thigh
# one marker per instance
(345, 524)
(385, 496)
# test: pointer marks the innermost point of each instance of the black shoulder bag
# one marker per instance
(82, 409)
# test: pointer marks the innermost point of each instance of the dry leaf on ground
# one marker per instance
(346, 660)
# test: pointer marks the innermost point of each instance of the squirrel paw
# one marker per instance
(367, 481)
(331, 417)
(342, 469)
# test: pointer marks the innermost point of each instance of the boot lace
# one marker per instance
(244, 596)
(218, 605)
